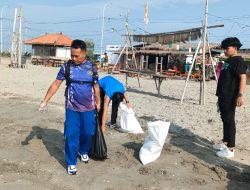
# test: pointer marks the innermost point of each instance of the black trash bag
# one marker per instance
(99, 148)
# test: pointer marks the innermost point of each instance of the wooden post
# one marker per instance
(126, 80)
(142, 62)
(190, 70)
(156, 64)
(13, 39)
(147, 62)
(119, 57)
(1, 35)
(204, 55)
(158, 82)
(161, 64)
(210, 54)
(20, 39)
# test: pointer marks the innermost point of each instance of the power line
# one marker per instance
(156, 21)
(49, 30)
(136, 20)
(141, 19)
(58, 22)
(63, 22)
(231, 18)
(98, 34)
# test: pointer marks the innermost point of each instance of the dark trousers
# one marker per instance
(117, 98)
(227, 111)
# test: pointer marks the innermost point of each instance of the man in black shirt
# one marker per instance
(230, 91)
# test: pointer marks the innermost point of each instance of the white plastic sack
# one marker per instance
(152, 147)
(128, 121)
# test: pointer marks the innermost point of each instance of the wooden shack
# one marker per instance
(50, 49)
(169, 59)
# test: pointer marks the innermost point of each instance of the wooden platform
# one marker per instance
(47, 62)
(158, 78)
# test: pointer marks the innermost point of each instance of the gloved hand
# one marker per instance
(43, 106)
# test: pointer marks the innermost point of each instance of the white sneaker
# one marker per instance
(225, 153)
(72, 170)
(84, 158)
(220, 146)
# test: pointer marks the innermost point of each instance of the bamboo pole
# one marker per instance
(13, 39)
(20, 39)
(203, 101)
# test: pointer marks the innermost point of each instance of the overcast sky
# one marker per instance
(165, 15)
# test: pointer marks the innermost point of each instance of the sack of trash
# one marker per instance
(128, 121)
(152, 147)
(99, 147)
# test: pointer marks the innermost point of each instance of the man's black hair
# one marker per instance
(233, 41)
(76, 44)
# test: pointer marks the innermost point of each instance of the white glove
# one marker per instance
(43, 106)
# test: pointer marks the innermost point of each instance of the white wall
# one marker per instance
(63, 52)
(110, 50)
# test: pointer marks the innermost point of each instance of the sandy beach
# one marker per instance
(32, 143)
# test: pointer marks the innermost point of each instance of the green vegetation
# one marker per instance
(90, 49)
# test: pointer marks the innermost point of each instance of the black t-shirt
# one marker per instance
(229, 80)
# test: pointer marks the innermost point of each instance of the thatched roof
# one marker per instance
(158, 52)
(172, 37)
(162, 52)
(181, 46)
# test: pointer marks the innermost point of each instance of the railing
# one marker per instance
(47, 62)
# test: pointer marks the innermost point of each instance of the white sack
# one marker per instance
(152, 147)
(128, 121)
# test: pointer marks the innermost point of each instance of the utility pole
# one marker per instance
(1, 37)
(20, 39)
(128, 39)
(13, 44)
(103, 21)
(25, 33)
(203, 86)
(146, 16)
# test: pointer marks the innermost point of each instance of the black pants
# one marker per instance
(227, 111)
(117, 98)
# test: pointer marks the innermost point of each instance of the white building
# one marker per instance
(111, 51)
(51, 46)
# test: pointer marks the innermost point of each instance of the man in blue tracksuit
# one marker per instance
(113, 90)
(82, 98)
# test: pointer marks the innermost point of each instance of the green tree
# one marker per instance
(90, 49)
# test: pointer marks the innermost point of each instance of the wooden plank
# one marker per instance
(157, 78)
(143, 73)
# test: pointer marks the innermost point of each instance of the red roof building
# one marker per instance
(50, 46)
(58, 39)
